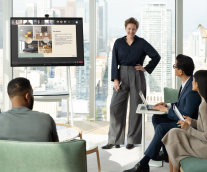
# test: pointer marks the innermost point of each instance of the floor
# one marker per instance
(114, 159)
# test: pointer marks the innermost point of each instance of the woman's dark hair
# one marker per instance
(18, 86)
(201, 79)
(186, 64)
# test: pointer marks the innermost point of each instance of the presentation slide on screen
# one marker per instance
(36, 40)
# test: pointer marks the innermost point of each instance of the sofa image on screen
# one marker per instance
(29, 48)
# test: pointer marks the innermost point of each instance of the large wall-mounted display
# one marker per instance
(47, 42)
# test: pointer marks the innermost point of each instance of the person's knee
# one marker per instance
(159, 130)
(174, 131)
(155, 119)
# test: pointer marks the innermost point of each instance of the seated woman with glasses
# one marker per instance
(189, 142)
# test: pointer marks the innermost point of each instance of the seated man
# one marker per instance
(188, 103)
(21, 123)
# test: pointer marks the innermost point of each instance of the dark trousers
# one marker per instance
(133, 81)
(162, 124)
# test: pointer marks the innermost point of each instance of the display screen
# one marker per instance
(47, 42)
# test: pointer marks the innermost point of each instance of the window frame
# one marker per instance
(7, 70)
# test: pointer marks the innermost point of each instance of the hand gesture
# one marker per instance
(116, 85)
(139, 67)
(187, 119)
(182, 124)
(162, 104)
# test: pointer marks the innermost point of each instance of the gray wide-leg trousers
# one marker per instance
(132, 82)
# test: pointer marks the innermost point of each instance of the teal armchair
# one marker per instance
(43, 156)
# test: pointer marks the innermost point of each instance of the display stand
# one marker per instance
(56, 96)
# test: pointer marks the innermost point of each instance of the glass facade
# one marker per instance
(1, 54)
(156, 25)
(194, 42)
(54, 78)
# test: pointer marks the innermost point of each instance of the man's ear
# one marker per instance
(27, 96)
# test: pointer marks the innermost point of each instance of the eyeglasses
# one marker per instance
(174, 66)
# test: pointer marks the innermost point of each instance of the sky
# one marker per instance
(195, 11)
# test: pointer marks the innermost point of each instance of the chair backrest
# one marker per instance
(170, 95)
(43, 156)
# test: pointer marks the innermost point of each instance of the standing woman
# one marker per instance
(129, 52)
(188, 141)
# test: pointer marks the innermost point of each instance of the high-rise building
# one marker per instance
(31, 10)
(194, 44)
(46, 4)
(69, 10)
(19, 13)
(1, 24)
(36, 78)
(156, 28)
(102, 26)
(1, 69)
(50, 108)
(82, 76)
(45, 7)
(82, 10)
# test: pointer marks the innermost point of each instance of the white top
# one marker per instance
(183, 85)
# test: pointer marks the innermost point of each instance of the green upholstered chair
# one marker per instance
(190, 164)
(170, 95)
(43, 156)
(193, 164)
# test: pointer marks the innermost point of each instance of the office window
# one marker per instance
(157, 26)
(194, 43)
(54, 78)
(1, 54)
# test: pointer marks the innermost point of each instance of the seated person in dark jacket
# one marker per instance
(21, 123)
(188, 103)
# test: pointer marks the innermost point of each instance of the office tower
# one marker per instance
(1, 24)
(156, 28)
(46, 4)
(50, 108)
(43, 7)
(45, 70)
(194, 44)
(110, 83)
(36, 78)
(69, 10)
(1, 50)
(19, 13)
(31, 10)
(82, 76)
(82, 10)
(1, 70)
(102, 26)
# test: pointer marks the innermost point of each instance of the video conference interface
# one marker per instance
(47, 42)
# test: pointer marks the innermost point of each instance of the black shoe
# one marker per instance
(162, 157)
(130, 146)
(109, 146)
(138, 168)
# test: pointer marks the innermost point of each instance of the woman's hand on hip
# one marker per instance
(116, 85)
(139, 67)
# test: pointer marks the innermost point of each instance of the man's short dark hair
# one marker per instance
(186, 64)
(18, 86)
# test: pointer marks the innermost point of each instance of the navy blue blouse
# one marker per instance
(126, 55)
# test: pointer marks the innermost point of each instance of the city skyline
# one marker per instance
(109, 27)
